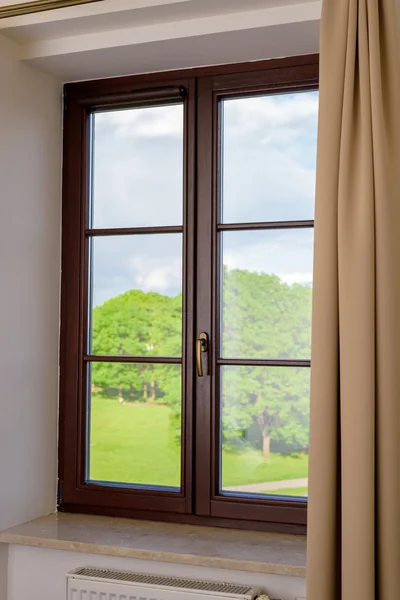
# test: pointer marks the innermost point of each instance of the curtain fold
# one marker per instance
(354, 483)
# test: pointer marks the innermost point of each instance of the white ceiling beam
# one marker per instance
(159, 35)
(167, 31)
(76, 12)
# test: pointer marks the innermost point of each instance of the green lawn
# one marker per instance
(135, 444)
(251, 467)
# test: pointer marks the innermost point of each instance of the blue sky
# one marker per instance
(268, 175)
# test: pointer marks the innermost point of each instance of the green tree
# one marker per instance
(264, 318)
(276, 399)
(135, 324)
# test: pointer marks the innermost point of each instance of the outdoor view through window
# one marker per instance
(136, 284)
(268, 176)
(263, 287)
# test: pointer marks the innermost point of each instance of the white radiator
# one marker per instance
(101, 584)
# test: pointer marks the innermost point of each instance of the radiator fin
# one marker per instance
(154, 580)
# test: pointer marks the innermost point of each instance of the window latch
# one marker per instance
(201, 348)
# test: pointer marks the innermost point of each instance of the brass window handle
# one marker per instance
(201, 347)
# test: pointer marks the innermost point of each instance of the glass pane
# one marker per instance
(266, 294)
(265, 430)
(137, 167)
(135, 424)
(136, 295)
(269, 157)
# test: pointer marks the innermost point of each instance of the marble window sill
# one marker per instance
(181, 544)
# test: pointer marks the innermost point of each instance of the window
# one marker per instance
(188, 208)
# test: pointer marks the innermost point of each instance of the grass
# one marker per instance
(132, 444)
(251, 467)
(135, 444)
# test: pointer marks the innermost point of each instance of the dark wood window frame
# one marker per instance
(198, 501)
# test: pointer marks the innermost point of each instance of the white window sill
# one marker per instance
(256, 552)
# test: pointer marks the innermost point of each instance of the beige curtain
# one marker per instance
(354, 502)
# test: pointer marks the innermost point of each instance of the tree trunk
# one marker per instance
(266, 440)
(120, 396)
(132, 394)
(266, 444)
(153, 391)
(145, 391)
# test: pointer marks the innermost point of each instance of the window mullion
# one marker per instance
(189, 236)
(203, 450)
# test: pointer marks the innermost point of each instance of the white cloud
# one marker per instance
(144, 262)
(291, 278)
(290, 112)
(155, 121)
(159, 279)
(285, 253)
(269, 157)
(138, 168)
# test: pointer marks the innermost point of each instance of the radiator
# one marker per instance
(103, 584)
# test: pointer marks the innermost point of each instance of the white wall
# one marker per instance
(3, 571)
(39, 574)
(30, 170)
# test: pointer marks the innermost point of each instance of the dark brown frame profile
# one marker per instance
(198, 501)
